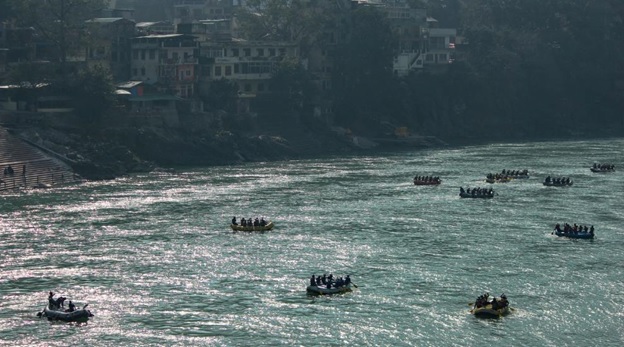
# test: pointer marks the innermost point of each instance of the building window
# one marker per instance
(152, 54)
(135, 54)
(429, 57)
(260, 52)
(228, 70)
(437, 43)
(215, 53)
(247, 52)
(143, 54)
(217, 71)
(235, 52)
(247, 87)
(260, 87)
(236, 68)
(271, 52)
(255, 68)
(142, 71)
(282, 52)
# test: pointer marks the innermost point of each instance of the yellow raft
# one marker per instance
(488, 312)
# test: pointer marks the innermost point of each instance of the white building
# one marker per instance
(168, 61)
(249, 64)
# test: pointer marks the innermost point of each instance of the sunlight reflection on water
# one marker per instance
(154, 257)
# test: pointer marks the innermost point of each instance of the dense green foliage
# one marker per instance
(92, 92)
(60, 22)
(363, 68)
(297, 21)
(527, 68)
(291, 87)
(546, 67)
(220, 95)
(524, 68)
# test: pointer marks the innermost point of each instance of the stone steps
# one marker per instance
(41, 170)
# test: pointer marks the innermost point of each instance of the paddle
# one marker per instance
(353, 284)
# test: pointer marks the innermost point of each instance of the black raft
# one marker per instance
(81, 315)
(55, 310)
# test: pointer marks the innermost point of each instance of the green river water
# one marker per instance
(155, 259)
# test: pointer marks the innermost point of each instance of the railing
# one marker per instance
(252, 76)
(179, 61)
(240, 59)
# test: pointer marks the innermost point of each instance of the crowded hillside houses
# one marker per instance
(158, 66)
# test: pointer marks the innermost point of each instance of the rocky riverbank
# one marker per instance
(116, 152)
(109, 151)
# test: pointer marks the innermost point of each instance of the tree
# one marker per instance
(548, 58)
(363, 78)
(292, 85)
(279, 20)
(5, 9)
(220, 95)
(93, 94)
(60, 22)
(32, 72)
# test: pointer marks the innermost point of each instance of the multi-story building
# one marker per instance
(438, 46)
(420, 42)
(109, 45)
(189, 11)
(19, 42)
(166, 61)
(209, 30)
(408, 24)
(155, 28)
(248, 64)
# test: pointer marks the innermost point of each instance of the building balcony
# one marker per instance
(179, 61)
(189, 2)
(153, 45)
(251, 76)
(234, 60)
(180, 44)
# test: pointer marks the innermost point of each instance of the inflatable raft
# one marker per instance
(81, 315)
(427, 183)
(476, 196)
(325, 291)
(498, 180)
(554, 184)
(574, 235)
(237, 227)
(488, 312)
(601, 170)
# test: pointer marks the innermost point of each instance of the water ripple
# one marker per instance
(155, 260)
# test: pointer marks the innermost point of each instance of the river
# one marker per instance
(153, 255)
